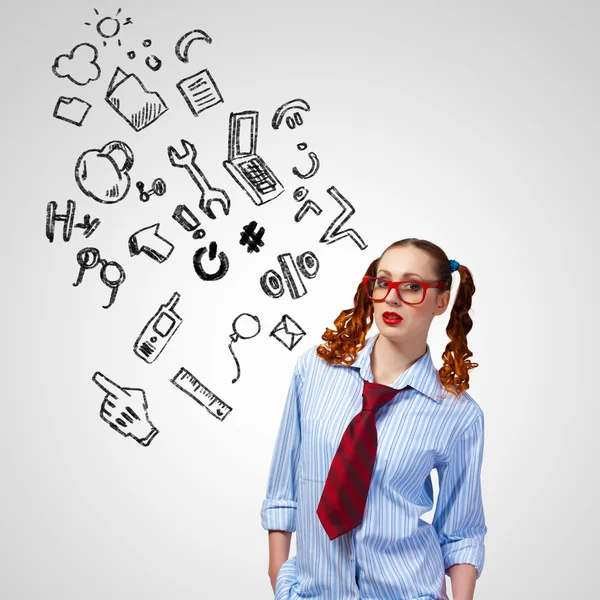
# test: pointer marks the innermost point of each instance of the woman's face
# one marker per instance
(395, 319)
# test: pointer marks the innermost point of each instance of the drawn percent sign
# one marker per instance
(306, 265)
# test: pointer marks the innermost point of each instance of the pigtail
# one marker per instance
(351, 327)
(454, 374)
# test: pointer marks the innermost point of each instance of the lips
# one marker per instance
(391, 318)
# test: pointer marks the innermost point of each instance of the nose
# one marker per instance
(393, 298)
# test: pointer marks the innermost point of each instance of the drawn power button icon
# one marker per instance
(158, 331)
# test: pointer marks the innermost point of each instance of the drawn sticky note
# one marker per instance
(72, 110)
(128, 96)
(200, 91)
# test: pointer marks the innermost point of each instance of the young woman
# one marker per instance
(324, 462)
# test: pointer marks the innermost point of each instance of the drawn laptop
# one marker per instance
(244, 165)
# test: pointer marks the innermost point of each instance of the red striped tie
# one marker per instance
(342, 503)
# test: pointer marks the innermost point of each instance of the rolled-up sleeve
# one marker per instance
(459, 518)
(279, 507)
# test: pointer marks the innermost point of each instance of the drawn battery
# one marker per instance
(158, 331)
(187, 383)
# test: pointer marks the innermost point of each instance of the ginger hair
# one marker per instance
(351, 326)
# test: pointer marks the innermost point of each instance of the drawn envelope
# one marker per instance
(288, 332)
(128, 96)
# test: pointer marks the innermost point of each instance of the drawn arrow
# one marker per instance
(150, 243)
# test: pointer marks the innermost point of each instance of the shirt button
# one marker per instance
(351, 556)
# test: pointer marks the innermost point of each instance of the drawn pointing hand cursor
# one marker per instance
(122, 408)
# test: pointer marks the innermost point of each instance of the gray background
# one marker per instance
(474, 125)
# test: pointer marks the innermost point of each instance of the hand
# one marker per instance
(273, 572)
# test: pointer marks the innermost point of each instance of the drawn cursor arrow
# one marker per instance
(150, 243)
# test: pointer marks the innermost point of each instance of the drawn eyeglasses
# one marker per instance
(410, 292)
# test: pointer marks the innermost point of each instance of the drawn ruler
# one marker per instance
(187, 383)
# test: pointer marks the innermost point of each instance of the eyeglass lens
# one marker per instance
(410, 292)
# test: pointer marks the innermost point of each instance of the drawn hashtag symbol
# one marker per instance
(251, 238)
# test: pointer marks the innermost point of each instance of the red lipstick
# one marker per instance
(391, 318)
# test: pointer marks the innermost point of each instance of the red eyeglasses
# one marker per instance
(410, 292)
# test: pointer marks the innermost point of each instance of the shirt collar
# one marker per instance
(422, 375)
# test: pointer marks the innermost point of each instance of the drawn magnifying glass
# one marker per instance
(245, 327)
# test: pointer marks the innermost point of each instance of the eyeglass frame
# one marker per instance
(394, 285)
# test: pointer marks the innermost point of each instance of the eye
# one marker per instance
(383, 283)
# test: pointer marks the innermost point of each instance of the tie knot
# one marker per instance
(376, 395)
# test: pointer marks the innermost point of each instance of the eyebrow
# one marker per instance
(404, 275)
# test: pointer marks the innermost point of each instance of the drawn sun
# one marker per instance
(109, 27)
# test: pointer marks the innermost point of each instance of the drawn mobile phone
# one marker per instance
(158, 331)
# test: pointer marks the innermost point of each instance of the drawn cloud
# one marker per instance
(79, 65)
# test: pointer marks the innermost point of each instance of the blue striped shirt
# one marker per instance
(393, 554)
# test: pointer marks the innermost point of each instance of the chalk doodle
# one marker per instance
(250, 328)
(245, 166)
(158, 331)
(188, 220)
(68, 220)
(132, 101)
(296, 107)
(183, 44)
(125, 409)
(306, 264)
(89, 258)
(314, 164)
(208, 194)
(251, 238)
(88, 226)
(104, 174)
(71, 109)
(148, 242)
(110, 27)
(189, 384)
(159, 188)
(200, 91)
(221, 270)
(300, 195)
(334, 233)
(288, 332)
(153, 62)
(79, 66)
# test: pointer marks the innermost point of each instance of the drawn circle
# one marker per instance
(159, 187)
(300, 194)
(109, 282)
(272, 284)
(108, 27)
(147, 43)
(153, 62)
(84, 255)
(250, 326)
(302, 145)
(308, 264)
(198, 234)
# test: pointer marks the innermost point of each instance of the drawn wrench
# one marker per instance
(208, 194)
